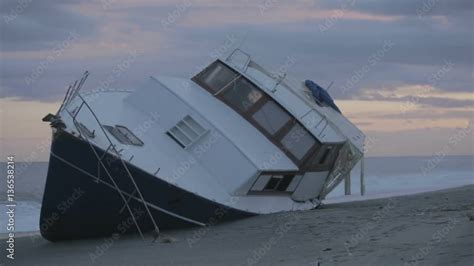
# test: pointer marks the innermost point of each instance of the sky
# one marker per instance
(402, 71)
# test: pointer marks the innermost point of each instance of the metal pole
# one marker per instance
(347, 184)
(362, 180)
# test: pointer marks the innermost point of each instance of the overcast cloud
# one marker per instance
(45, 45)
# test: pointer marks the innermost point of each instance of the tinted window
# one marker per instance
(298, 141)
(132, 139)
(325, 155)
(271, 117)
(124, 135)
(273, 183)
(285, 182)
(186, 131)
(256, 107)
(216, 77)
(242, 94)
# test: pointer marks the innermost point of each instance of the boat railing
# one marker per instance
(346, 160)
(73, 94)
(246, 55)
(342, 124)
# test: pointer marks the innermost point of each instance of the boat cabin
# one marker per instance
(245, 130)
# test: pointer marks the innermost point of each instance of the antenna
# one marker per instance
(229, 54)
(330, 84)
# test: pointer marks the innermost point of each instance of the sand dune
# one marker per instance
(424, 229)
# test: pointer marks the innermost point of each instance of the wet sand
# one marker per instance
(434, 228)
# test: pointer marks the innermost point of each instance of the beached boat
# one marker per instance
(233, 141)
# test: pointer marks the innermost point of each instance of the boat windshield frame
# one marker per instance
(258, 100)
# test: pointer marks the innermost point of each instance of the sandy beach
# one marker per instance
(434, 228)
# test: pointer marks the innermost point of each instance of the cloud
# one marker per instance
(29, 25)
(431, 113)
(422, 142)
(404, 7)
(419, 95)
(178, 38)
(284, 28)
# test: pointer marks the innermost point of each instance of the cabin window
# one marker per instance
(131, 138)
(258, 108)
(323, 159)
(242, 94)
(124, 135)
(186, 132)
(298, 141)
(285, 182)
(325, 155)
(275, 183)
(216, 77)
(271, 117)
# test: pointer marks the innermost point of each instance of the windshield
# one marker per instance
(216, 77)
(262, 111)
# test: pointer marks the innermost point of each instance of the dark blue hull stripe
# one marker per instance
(78, 202)
(127, 194)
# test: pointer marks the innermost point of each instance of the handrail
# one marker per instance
(64, 100)
(247, 62)
(75, 93)
(342, 168)
(68, 99)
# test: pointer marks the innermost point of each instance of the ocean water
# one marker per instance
(384, 177)
(393, 176)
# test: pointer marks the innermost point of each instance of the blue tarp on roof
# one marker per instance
(320, 95)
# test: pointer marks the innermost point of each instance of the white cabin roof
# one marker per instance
(326, 124)
(258, 149)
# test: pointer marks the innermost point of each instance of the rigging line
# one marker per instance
(233, 81)
(118, 189)
(105, 169)
(125, 193)
(157, 230)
